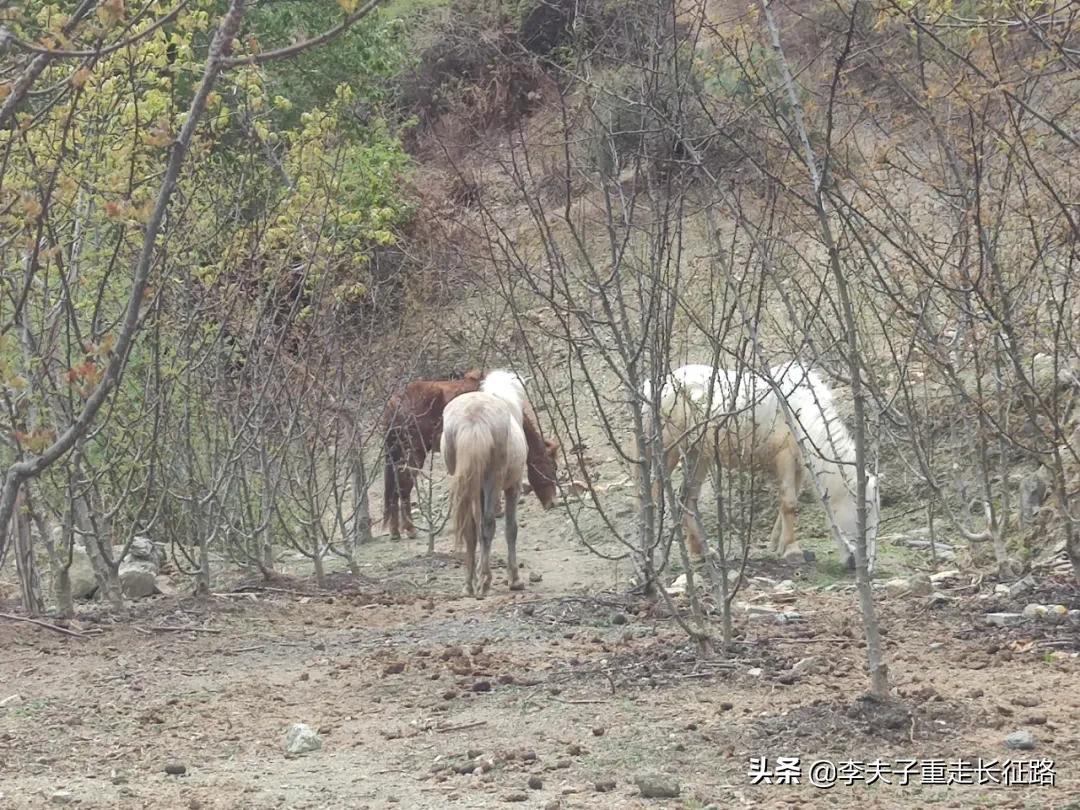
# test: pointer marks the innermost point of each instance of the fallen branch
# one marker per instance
(164, 628)
(40, 623)
(463, 727)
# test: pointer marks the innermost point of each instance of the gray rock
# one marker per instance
(62, 797)
(810, 665)
(920, 585)
(143, 548)
(301, 739)
(165, 585)
(1032, 495)
(1056, 614)
(1004, 619)
(81, 574)
(138, 578)
(897, 587)
(1022, 586)
(1022, 740)
(657, 786)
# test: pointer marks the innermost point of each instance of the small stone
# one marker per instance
(175, 768)
(1027, 701)
(301, 739)
(1035, 720)
(1022, 740)
(944, 576)
(810, 665)
(535, 577)
(754, 672)
(474, 753)
(574, 750)
(786, 678)
(481, 686)
(516, 797)
(1034, 611)
(535, 783)
(305, 676)
(599, 731)
(528, 756)
(395, 668)
(604, 786)
(618, 618)
(1004, 619)
(554, 804)
(1056, 614)
(657, 786)
(449, 694)
(727, 706)
(62, 797)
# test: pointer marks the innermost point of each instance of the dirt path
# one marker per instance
(413, 686)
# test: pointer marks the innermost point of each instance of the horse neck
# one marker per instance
(452, 388)
(539, 461)
(829, 451)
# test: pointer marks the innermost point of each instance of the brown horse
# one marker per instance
(413, 422)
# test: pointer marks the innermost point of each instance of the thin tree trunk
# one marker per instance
(25, 563)
(879, 679)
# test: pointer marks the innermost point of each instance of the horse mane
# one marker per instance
(827, 447)
(507, 386)
(830, 446)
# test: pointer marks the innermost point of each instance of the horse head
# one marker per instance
(542, 474)
(873, 519)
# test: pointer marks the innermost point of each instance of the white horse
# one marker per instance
(746, 422)
(484, 447)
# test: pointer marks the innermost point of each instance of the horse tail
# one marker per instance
(466, 450)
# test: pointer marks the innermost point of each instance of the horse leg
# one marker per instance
(671, 461)
(774, 535)
(789, 476)
(511, 539)
(417, 463)
(487, 536)
(391, 488)
(470, 563)
(696, 467)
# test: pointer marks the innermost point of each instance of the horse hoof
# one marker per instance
(517, 585)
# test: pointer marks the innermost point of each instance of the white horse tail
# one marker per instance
(469, 471)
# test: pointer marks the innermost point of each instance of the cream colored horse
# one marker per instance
(484, 447)
(746, 422)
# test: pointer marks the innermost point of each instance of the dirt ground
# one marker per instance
(424, 698)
